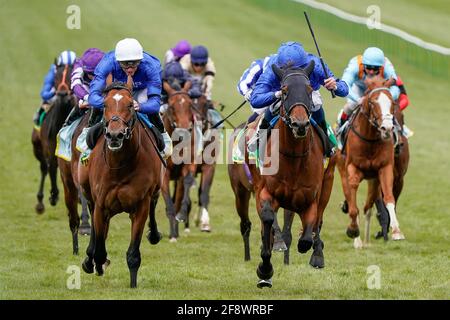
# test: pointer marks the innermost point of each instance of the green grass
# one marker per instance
(35, 251)
(425, 19)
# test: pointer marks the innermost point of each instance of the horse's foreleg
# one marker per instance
(170, 207)
(188, 181)
(85, 228)
(372, 194)
(137, 228)
(266, 212)
(71, 201)
(344, 182)
(385, 175)
(40, 207)
(287, 233)
(278, 242)
(242, 198)
(309, 220)
(205, 187)
(88, 263)
(52, 170)
(354, 178)
(154, 236)
(101, 224)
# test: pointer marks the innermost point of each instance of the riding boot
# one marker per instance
(329, 148)
(264, 125)
(95, 116)
(37, 116)
(74, 114)
(156, 120)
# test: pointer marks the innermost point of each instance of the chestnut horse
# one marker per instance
(369, 154)
(298, 180)
(124, 174)
(44, 140)
(179, 122)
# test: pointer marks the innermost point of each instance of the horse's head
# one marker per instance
(296, 97)
(62, 79)
(379, 105)
(119, 115)
(179, 106)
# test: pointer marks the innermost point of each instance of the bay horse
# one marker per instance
(72, 190)
(44, 140)
(124, 174)
(179, 123)
(369, 154)
(297, 183)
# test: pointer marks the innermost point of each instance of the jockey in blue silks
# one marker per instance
(371, 63)
(267, 89)
(48, 89)
(129, 58)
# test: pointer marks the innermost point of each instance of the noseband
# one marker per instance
(373, 120)
(285, 117)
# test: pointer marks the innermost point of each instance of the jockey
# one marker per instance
(267, 89)
(202, 71)
(129, 58)
(371, 63)
(248, 80)
(181, 49)
(174, 75)
(48, 89)
(82, 75)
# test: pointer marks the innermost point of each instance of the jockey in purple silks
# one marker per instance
(82, 75)
(181, 49)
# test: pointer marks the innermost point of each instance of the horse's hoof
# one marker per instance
(53, 200)
(379, 235)
(398, 235)
(205, 227)
(187, 230)
(40, 208)
(304, 244)
(264, 283)
(352, 233)
(317, 261)
(154, 237)
(357, 243)
(173, 240)
(87, 266)
(84, 230)
(279, 246)
(344, 206)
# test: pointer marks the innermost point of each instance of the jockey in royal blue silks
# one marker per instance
(129, 58)
(267, 89)
(48, 89)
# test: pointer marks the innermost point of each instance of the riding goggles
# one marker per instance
(128, 64)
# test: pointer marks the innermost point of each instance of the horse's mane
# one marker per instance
(116, 85)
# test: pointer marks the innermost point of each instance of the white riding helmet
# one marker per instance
(129, 49)
(66, 57)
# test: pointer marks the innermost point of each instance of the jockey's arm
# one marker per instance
(389, 72)
(208, 80)
(249, 77)
(341, 86)
(48, 89)
(103, 69)
(76, 83)
(349, 77)
(152, 105)
(263, 93)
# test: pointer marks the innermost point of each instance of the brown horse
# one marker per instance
(124, 174)
(44, 140)
(294, 182)
(369, 154)
(179, 122)
(72, 191)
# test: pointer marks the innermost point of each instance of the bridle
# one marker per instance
(63, 85)
(171, 110)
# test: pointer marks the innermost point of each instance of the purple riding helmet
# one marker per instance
(91, 57)
(84, 66)
(182, 48)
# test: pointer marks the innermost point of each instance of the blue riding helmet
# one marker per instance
(173, 70)
(66, 57)
(199, 54)
(291, 53)
(373, 56)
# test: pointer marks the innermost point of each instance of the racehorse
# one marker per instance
(72, 191)
(44, 140)
(178, 121)
(123, 174)
(298, 181)
(369, 154)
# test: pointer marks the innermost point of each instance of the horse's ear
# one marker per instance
(109, 79)
(130, 83)
(187, 86)
(310, 67)
(168, 88)
(277, 70)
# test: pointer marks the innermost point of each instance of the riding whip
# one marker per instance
(222, 121)
(318, 51)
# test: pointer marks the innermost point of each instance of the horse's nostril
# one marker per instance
(108, 135)
(120, 136)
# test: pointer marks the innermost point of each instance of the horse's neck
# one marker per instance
(364, 127)
(127, 155)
